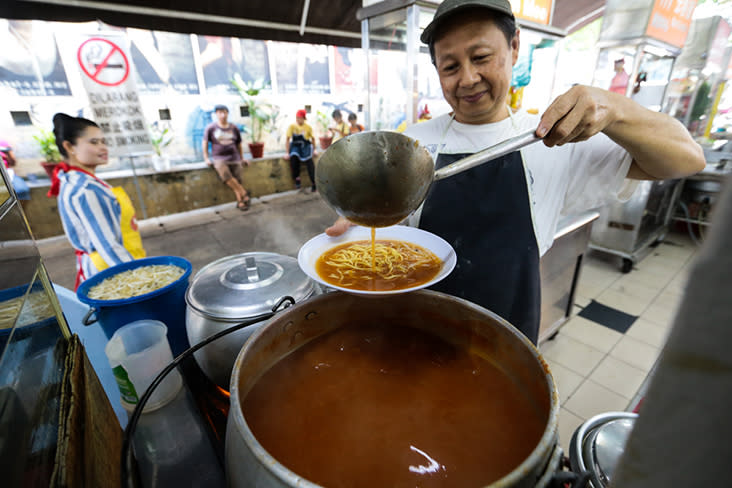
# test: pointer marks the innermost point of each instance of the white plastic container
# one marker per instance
(137, 353)
(171, 445)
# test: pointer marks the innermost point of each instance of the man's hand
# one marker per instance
(660, 145)
(208, 161)
(577, 115)
(286, 157)
(339, 227)
(246, 162)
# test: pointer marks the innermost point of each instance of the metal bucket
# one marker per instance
(461, 322)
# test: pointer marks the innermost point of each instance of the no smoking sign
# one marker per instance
(103, 61)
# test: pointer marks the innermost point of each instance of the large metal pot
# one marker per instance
(231, 290)
(462, 322)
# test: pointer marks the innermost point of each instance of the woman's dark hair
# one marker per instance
(336, 113)
(68, 128)
(506, 23)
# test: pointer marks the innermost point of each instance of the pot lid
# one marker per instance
(602, 445)
(245, 285)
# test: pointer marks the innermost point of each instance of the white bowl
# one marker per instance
(315, 247)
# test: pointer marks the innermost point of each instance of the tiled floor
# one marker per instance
(598, 369)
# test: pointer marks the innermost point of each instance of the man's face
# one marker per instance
(474, 63)
(222, 115)
(300, 120)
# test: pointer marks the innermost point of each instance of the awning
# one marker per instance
(311, 21)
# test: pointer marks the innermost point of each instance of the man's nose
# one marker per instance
(469, 75)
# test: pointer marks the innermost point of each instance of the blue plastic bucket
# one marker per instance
(166, 304)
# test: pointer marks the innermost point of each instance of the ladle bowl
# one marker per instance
(374, 179)
(377, 178)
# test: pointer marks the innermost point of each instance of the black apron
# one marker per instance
(485, 214)
(300, 147)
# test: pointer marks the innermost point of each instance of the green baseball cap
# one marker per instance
(449, 7)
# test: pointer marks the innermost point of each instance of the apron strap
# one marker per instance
(80, 277)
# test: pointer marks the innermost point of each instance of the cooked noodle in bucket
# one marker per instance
(135, 282)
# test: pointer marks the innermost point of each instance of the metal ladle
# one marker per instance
(376, 179)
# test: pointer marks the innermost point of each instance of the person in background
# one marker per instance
(98, 220)
(300, 147)
(227, 154)
(500, 217)
(340, 129)
(19, 185)
(619, 83)
(354, 126)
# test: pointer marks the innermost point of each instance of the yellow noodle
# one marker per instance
(35, 307)
(383, 264)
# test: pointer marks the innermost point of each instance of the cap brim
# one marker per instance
(429, 31)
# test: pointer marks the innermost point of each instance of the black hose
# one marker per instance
(126, 458)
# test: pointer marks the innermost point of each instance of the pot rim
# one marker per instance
(539, 455)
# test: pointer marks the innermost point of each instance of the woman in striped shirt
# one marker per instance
(98, 220)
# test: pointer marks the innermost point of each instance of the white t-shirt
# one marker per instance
(562, 180)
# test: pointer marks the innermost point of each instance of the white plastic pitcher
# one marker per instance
(137, 353)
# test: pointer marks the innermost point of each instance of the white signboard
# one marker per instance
(104, 61)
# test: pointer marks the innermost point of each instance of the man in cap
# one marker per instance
(501, 216)
(227, 154)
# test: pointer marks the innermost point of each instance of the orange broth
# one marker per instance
(383, 405)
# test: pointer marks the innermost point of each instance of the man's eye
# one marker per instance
(449, 67)
(481, 58)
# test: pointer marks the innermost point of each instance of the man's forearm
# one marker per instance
(660, 145)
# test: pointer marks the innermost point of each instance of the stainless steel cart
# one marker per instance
(630, 229)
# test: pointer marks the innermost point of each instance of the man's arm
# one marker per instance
(660, 145)
(240, 148)
(205, 148)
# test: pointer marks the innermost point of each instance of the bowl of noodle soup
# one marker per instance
(148, 288)
(404, 259)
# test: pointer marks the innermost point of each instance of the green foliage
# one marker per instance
(47, 144)
(160, 138)
(263, 115)
(322, 121)
(702, 101)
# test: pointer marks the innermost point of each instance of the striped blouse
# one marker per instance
(90, 215)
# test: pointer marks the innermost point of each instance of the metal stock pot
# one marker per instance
(231, 290)
(249, 465)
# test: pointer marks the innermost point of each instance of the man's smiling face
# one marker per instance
(474, 62)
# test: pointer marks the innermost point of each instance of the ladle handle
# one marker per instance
(493, 152)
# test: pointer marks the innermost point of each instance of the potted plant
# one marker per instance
(323, 122)
(160, 139)
(260, 113)
(47, 143)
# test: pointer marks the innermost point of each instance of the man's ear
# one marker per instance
(515, 44)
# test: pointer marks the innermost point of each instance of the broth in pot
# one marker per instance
(388, 405)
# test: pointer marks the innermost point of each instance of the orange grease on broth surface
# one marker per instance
(367, 277)
(388, 405)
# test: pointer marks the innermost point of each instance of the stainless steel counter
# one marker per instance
(560, 271)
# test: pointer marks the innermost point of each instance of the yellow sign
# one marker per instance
(538, 11)
(670, 21)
